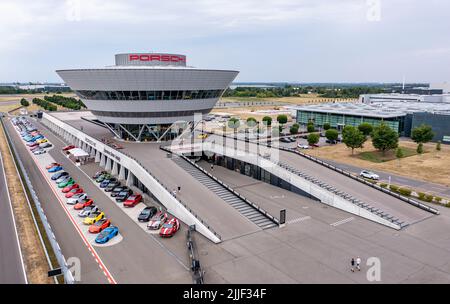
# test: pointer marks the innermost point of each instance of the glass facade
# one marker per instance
(150, 114)
(149, 95)
(339, 120)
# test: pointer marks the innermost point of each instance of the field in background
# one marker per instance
(432, 166)
(11, 102)
(302, 99)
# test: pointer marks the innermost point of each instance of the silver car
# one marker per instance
(62, 179)
(39, 151)
(76, 198)
(369, 174)
(87, 211)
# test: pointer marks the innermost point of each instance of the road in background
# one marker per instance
(11, 264)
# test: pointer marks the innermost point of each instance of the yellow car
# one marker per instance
(202, 136)
(42, 140)
(94, 218)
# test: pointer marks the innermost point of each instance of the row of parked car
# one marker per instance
(76, 197)
(35, 141)
(156, 219)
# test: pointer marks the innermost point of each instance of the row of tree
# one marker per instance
(288, 91)
(45, 104)
(66, 102)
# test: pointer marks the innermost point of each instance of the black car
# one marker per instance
(123, 195)
(285, 140)
(147, 213)
(111, 186)
(58, 175)
(117, 190)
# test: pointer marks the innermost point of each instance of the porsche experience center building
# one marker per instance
(144, 94)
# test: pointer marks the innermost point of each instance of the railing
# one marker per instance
(68, 277)
(348, 174)
(362, 180)
(247, 201)
(171, 193)
(197, 272)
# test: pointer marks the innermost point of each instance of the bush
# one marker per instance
(421, 196)
(24, 102)
(310, 128)
(420, 148)
(393, 188)
(438, 146)
(326, 126)
(383, 185)
(429, 198)
(405, 191)
(438, 199)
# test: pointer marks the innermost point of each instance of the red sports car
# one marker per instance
(83, 203)
(170, 228)
(99, 225)
(133, 200)
(68, 188)
(67, 148)
(51, 165)
(73, 192)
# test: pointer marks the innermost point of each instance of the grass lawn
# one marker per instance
(378, 157)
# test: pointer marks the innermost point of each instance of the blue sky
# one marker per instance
(283, 40)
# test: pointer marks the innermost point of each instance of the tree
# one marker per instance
(421, 135)
(332, 134)
(310, 127)
(293, 130)
(24, 102)
(234, 123)
(251, 122)
(384, 138)
(267, 120)
(353, 138)
(399, 154)
(282, 119)
(366, 128)
(313, 139)
(326, 126)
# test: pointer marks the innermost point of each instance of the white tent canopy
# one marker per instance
(77, 152)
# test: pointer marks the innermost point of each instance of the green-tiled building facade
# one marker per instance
(338, 121)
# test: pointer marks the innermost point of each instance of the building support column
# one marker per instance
(115, 169)
(108, 165)
(122, 173)
(103, 161)
(129, 182)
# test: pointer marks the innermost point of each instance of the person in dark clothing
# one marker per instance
(352, 262)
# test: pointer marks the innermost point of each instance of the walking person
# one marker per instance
(179, 189)
(212, 167)
(358, 263)
(352, 263)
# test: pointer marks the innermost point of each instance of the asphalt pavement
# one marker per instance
(12, 270)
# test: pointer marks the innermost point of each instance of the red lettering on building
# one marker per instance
(155, 57)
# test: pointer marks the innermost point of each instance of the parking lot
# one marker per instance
(170, 260)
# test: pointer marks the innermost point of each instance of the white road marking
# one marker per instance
(342, 221)
(298, 220)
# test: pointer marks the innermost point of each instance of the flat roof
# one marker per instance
(389, 109)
